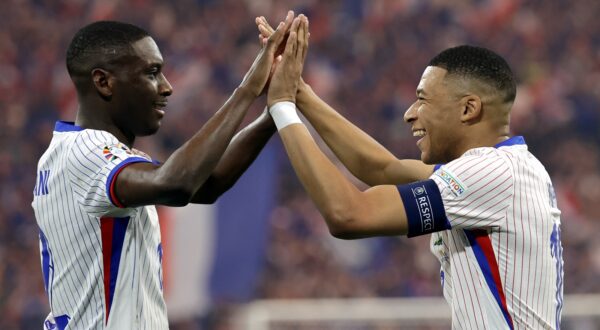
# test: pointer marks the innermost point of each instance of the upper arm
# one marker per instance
(402, 171)
(145, 184)
(413, 209)
(471, 192)
(378, 211)
(94, 163)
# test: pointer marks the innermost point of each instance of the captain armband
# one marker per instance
(424, 208)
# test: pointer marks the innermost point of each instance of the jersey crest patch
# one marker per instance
(117, 151)
(456, 186)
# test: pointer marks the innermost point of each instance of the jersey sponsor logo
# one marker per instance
(117, 151)
(456, 186)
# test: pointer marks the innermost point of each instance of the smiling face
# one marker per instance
(140, 90)
(436, 117)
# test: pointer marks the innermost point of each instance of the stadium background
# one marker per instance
(365, 58)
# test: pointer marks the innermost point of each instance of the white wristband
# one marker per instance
(284, 114)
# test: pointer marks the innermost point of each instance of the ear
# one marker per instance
(471, 109)
(103, 82)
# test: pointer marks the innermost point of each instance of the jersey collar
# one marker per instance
(515, 140)
(67, 126)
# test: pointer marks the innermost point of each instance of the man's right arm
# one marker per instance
(241, 152)
(177, 181)
(360, 153)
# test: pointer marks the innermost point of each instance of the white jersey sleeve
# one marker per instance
(476, 189)
(471, 192)
(95, 161)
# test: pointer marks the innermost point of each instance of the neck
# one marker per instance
(488, 137)
(85, 120)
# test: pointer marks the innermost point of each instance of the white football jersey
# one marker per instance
(496, 233)
(101, 262)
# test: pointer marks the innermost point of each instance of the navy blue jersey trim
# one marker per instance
(112, 176)
(515, 140)
(67, 126)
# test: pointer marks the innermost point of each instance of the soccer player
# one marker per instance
(95, 194)
(490, 207)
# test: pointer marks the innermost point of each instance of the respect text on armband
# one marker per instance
(424, 208)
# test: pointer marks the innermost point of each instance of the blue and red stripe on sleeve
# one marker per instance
(112, 178)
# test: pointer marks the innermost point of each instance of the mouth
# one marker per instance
(419, 133)
(160, 107)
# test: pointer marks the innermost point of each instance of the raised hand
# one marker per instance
(265, 31)
(256, 78)
(284, 82)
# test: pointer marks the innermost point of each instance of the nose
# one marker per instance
(411, 114)
(165, 88)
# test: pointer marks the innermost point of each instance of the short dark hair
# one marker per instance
(101, 41)
(479, 63)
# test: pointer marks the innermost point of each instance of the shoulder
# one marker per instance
(477, 168)
(91, 145)
(479, 160)
(90, 137)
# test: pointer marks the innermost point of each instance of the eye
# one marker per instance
(153, 72)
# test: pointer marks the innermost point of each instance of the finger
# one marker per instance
(290, 47)
(265, 24)
(298, 29)
(301, 37)
(264, 31)
(276, 37)
(289, 18)
(263, 21)
(306, 38)
(262, 40)
(282, 28)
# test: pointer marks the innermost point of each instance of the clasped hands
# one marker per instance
(278, 66)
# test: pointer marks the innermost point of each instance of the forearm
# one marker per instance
(334, 195)
(241, 152)
(360, 153)
(190, 165)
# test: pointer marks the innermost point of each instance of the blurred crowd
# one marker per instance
(365, 59)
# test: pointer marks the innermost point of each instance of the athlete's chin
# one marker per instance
(430, 159)
(149, 130)
(426, 159)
